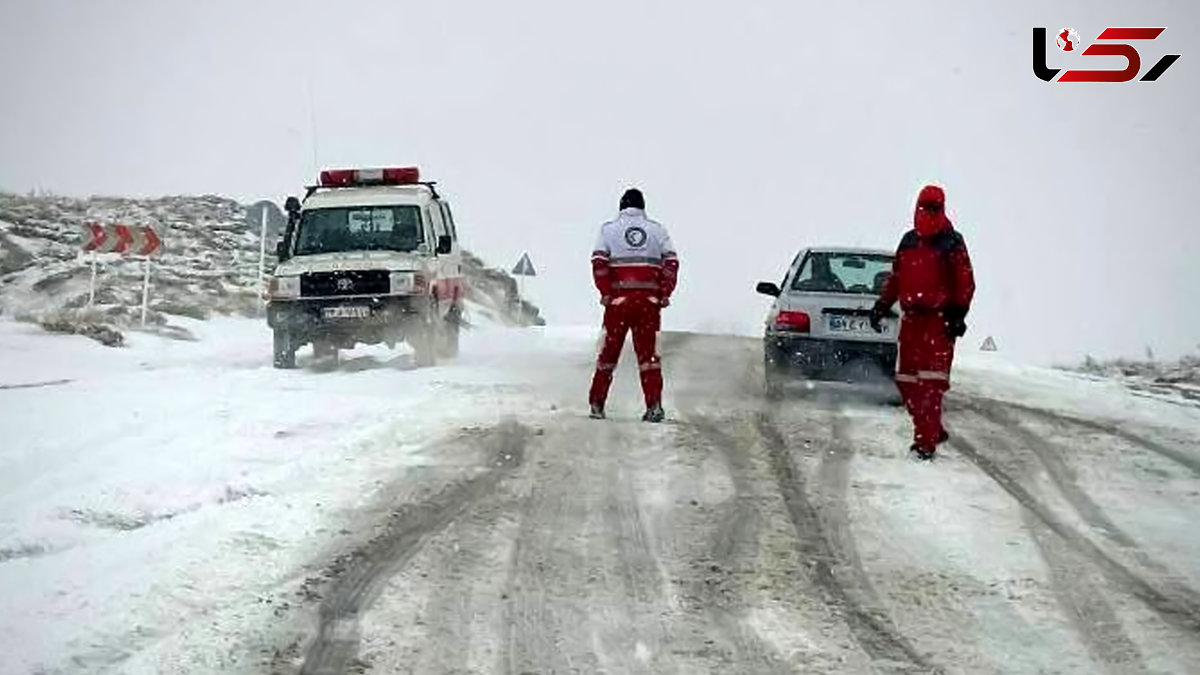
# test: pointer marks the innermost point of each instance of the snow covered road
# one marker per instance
(181, 507)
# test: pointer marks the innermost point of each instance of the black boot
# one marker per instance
(654, 413)
(922, 453)
(597, 411)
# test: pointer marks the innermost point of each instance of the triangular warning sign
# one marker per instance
(989, 345)
(524, 267)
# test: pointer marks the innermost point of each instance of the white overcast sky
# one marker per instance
(754, 128)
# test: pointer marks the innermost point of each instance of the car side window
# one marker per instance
(439, 227)
(428, 227)
(448, 216)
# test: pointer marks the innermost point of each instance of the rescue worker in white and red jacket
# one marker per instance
(635, 269)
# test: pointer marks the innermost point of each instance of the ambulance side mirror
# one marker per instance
(443, 244)
(768, 288)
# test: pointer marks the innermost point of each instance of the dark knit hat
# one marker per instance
(633, 199)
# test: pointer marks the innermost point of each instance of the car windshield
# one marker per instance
(837, 272)
(359, 228)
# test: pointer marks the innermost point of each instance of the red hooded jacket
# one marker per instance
(932, 269)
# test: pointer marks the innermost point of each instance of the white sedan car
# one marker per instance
(818, 328)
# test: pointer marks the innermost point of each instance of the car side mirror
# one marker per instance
(768, 288)
(281, 251)
(443, 244)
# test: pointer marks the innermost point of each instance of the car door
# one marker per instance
(454, 268)
(448, 263)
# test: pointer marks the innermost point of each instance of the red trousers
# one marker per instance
(642, 317)
(923, 372)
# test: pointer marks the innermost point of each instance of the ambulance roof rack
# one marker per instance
(310, 189)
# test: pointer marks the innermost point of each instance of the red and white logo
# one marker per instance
(1112, 41)
(1068, 40)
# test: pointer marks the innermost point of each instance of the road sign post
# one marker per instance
(523, 268)
(145, 288)
(92, 285)
(262, 259)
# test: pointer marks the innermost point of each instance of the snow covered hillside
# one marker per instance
(209, 264)
(1180, 379)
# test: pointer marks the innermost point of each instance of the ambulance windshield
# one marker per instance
(359, 228)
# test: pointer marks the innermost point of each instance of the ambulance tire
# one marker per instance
(285, 350)
(423, 339)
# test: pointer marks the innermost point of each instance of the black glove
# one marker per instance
(877, 313)
(956, 327)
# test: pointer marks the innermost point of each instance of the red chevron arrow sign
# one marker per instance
(126, 239)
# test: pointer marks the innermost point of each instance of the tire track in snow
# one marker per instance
(1079, 594)
(1061, 473)
(836, 569)
(543, 622)
(736, 533)
(585, 591)
(1184, 459)
(361, 574)
(1181, 612)
(35, 385)
(641, 638)
(1076, 588)
(460, 611)
(1067, 481)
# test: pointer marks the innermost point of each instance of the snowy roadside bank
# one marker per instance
(167, 492)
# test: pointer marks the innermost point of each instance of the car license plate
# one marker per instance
(849, 324)
(346, 312)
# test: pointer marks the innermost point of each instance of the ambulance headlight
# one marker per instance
(403, 282)
(284, 288)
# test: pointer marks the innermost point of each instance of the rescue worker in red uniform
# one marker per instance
(933, 280)
(635, 268)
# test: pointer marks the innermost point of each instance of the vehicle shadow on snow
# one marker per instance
(723, 359)
(359, 364)
(832, 394)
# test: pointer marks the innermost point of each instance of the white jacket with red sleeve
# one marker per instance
(634, 255)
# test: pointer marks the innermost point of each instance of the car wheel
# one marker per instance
(774, 388)
(895, 400)
(285, 349)
(772, 379)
